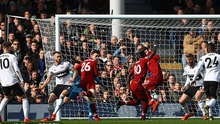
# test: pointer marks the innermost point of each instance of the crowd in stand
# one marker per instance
(116, 54)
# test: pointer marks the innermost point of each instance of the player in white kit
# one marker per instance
(210, 62)
(10, 78)
(192, 90)
(61, 70)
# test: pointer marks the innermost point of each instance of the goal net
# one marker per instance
(77, 35)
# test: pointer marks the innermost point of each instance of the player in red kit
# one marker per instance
(89, 72)
(138, 72)
(155, 79)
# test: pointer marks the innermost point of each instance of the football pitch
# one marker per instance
(127, 121)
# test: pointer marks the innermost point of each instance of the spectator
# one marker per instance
(11, 37)
(35, 79)
(102, 59)
(17, 51)
(12, 10)
(37, 38)
(197, 9)
(98, 93)
(39, 99)
(34, 93)
(122, 53)
(90, 33)
(106, 97)
(84, 50)
(175, 94)
(191, 44)
(203, 50)
(203, 26)
(35, 30)
(20, 34)
(189, 7)
(68, 52)
(116, 65)
(123, 75)
(27, 22)
(113, 45)
(26, 74)
(34, 54)
(41, 66)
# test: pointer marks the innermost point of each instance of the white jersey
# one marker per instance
(62, 72)
(190, 71)
(211, 63)
(9, 71)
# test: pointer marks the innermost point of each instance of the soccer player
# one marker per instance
(89, 72)
(191, 90)
(10, 78)
(61, 70)
(75, 92)
(138, 72)
(155, 79)
(210, 62)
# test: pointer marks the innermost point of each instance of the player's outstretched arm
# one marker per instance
(153, 51)
(74, 74)
(46, 81)
(17, 71)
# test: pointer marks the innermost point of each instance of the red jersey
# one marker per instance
(89, 70)
(154, 66)
(139, 69)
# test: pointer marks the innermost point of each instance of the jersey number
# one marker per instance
(210, 63)
(137, 69)
(4, 63)
(86, 67)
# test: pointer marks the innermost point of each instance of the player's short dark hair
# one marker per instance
(189, 55)
(210, 47)
(76, 61)
(6, 45)
(56, 52)
(142, 53)
(94, 51)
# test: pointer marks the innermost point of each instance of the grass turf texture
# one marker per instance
(127, 121)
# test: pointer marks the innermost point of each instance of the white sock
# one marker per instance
(210, 111)
(50, 109)
(3, 104)
(185, 108)
(58, 104)
(25, 106)
(212, 103)
(201, 106)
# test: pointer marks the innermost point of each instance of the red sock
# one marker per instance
(89, 93)
(133, 103)
(148, 96)
(144, 107)
(92, 106)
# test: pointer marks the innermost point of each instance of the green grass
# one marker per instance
(129, 121)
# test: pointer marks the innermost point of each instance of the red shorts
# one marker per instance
(87, 85)
(138, 91)
(153, 82)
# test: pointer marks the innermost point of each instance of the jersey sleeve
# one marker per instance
(16, 68)
(79, 66)
(132, 70)
(70, 65)
(199, 68)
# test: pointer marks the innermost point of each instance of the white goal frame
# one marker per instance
(116, 17)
